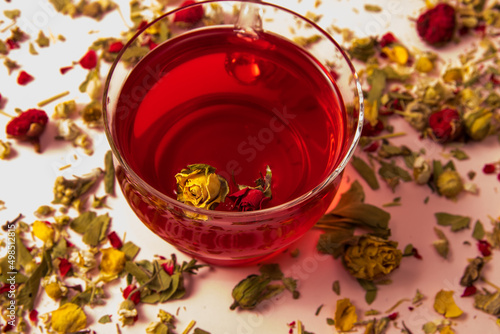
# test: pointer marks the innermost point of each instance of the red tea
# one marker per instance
(233, 102)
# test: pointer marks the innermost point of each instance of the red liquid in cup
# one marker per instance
(237, 104)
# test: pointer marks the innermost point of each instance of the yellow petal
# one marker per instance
(345, 315)
(424, 65)
(446, 330)
(445, 304)
(112, 262)
(43, 231)
(68, 318)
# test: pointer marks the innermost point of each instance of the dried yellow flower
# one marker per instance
(54, 288)
(43, 231)
(199, 186)
(424, 65)
(397, 54)
(446, 330)
(68, 318)
(445, 304)
(345, 315)
(450, 184)
(371, 257)
(112, 262)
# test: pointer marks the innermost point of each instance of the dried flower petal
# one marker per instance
(484, 247)
(89, 60)
(115, 240)
(136, 296)
(64, 266)
(68, 318)
(115, 47)
(445, 304)
(112, 262)
(24, 78)
(190, 15)
(436, 26)
(345, 315)
(44, 231)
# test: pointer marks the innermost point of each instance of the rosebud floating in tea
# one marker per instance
(199, 186)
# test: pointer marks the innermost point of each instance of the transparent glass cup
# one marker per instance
(233, 237)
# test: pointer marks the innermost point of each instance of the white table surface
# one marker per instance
(26, 182)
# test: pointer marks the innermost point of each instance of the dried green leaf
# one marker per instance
(32, 50)
(336, 287)
(60, 249)
(200, 331)
(23, 256)
(441, 245)
(130, 249)
(333, 242)
(488, 302)
(42, 40)
(456, 222)
(472, 272)
(370, 288)
(97, 230)
(29, 290)
(105, 319)
(366, 172)
(271, 270)
(459, 154)
(392, 174)
(12, 14)
(387, 151)
(478, 232)
(109, 173)
(140, 274)
(81, 223)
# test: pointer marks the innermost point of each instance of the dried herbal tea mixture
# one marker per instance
(71, 255)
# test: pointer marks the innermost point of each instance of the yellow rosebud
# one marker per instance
(478, 125)
(199, 186)
(424, 65)
(372, 258)
(397, 54)
(68, 318)
(43, 231)
(54, 288)
(112, 262)
(450, 184)
(453, 75)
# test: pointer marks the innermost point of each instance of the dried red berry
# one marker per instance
(115, 47)
(370, 130)
(189, 15)
(393, 316)
(445, 125)
(89, 60)
(64, 266)
(33, 316)
(12, 44)
(24, 78)
(114, 240)
(372, 147)
(469, 291)
(489, 169)
(484, 247)
(387, 39)
(136, 296)
(436, 26)
(29, 125)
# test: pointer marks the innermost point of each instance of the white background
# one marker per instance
(26, 182)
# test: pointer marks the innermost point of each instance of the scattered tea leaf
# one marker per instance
(456, 222)
(366, 172)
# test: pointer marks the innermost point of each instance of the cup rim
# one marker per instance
(237, 214)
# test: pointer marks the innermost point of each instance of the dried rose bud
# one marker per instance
(29, 125)
(115, 47)
(370, 130)
(190, 15)
(445, 125)
(248, 199)
(199, 186)
(387, 39)
(89, 60)
(135, 297)
(250, 291)
(478, 124)
(436, 26)
(489, 168)
(371, 257)
(24, 78)
(449, 184)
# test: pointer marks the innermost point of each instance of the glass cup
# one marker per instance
(230, 237)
